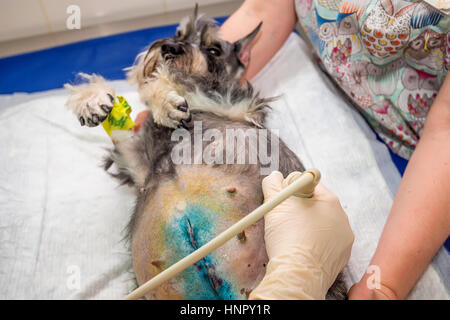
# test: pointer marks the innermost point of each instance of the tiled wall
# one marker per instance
(25, 18)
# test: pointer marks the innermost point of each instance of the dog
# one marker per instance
(191, 83)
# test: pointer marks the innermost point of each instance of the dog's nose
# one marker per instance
(171, 48)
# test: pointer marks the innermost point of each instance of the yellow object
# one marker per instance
(308, 242)
(119, 117)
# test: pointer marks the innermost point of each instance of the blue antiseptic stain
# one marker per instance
(196, 280)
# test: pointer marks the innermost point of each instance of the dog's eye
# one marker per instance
(214, 51)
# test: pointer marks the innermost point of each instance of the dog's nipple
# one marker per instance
(158, 263)
(231, 189)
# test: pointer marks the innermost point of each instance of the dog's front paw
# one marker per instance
(171, 111)
(95, 109)
(91, 103)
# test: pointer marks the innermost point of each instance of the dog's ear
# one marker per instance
(195, 16)
(242, 46)
(187, 25)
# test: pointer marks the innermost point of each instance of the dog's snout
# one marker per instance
(171, 48)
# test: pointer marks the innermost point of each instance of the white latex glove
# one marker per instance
(308, 242)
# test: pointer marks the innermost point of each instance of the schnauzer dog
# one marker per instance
(191, 83)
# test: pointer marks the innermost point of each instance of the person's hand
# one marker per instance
(308, 242)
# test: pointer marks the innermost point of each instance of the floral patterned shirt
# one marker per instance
(389, 56)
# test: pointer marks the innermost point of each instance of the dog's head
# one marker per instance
(196, 49)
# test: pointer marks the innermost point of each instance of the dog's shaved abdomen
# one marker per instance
(186, 212)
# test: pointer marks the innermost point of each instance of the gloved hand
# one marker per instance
(308, 242)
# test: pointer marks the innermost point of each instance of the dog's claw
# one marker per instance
(183, 107)
(90, 123)
(106, 108)
(82, 122)
(183, 123)
(95, 119)
(111, 97)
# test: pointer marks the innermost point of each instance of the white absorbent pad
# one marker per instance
(62, 218)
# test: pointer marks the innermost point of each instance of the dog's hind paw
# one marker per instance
(171, 111)
(91, 103)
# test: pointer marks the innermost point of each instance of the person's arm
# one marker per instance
(279, 19)
(419, 222)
